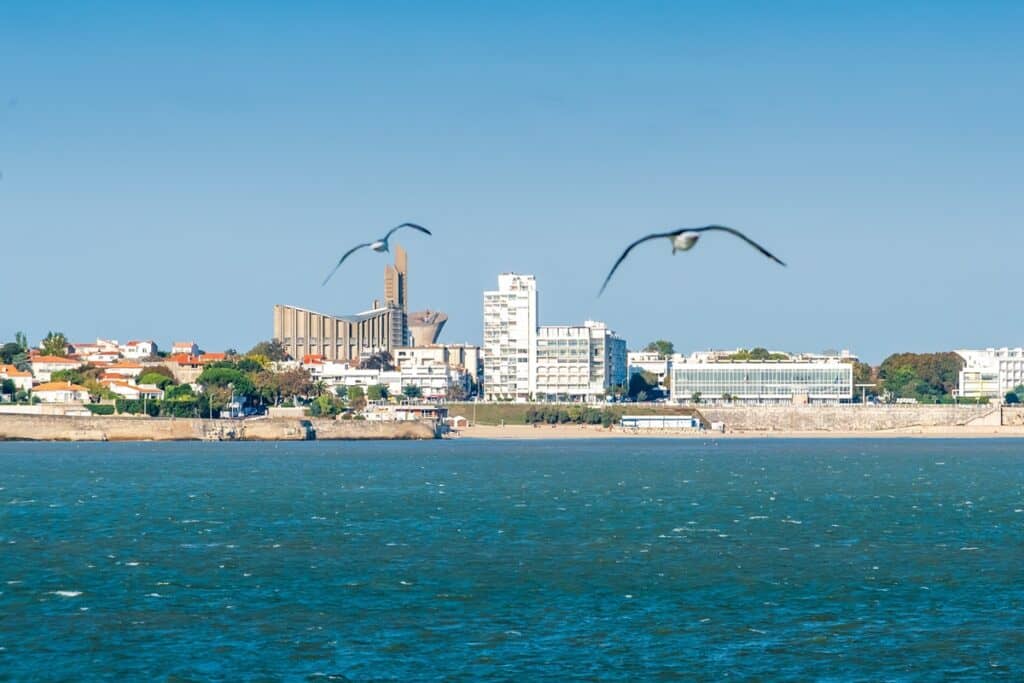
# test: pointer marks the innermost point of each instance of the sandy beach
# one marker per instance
(529, 432)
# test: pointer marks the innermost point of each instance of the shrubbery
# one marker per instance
(100, 408)
(572, 415)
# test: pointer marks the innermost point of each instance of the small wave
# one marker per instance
(66, 594)
(405, 583)
(131, 564)
(970, 547)
(758, 517)
(153, 595)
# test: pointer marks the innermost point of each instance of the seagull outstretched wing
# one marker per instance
(342, 260)
(407, 225)
(630, 248)
(737, 233)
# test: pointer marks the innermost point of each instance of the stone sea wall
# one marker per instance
(847, 418)
(114, 428)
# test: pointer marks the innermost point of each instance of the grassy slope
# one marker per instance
(514, 413)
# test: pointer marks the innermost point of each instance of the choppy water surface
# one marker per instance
(463, 560)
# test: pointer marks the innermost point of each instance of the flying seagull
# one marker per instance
(378, 245)
(683, 239)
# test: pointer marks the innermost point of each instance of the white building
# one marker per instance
(990, 373)
(510, 338)
(578, 362)
(651, 362)
(124, 369)
(102, 356)
(61, 392)
(524, 361)
(136, 391)
(763, 382)
(187, 348)
(138, 349)
(83, 349)
(43, 367)
(22, 380)
(465, 357)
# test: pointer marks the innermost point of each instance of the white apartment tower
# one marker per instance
(510, 338)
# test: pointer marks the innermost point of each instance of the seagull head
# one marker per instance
(684, 241)
(379, 245)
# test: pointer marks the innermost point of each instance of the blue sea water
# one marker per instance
(466, 560)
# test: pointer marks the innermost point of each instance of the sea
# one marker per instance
(464, 560)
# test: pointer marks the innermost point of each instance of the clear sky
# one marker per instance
(172, 170)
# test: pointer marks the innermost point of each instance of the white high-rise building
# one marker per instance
(990, 373)
(523, 361)
(510, 338)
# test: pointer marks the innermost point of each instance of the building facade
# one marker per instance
(650, 362)
(763, 382)
(990, 373)
(510, 338)
(338, 337)
(578, 362)
(465, 357)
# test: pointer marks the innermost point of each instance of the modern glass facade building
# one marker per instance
(762, 382)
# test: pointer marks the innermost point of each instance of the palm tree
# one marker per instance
(319, 388)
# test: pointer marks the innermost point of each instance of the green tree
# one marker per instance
(295, 382)
(272, 349)
(8, 351)
(638, 383)
(756, 353)
(1011, 398)
(924, 376)
(325, 405)
(381, 360)
(356, 398)
(376, 392)
(180, 392)
(7, 387)
(158, 378)
(221, 378)
(663, 347)
(695, 397)
(55, 344)
(412, 391)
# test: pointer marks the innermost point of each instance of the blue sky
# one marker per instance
(172, 171)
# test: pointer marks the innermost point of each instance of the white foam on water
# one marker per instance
(405, 583)
(131, 564)
(756, 630)
(629, 596)
(153, 595)
(791, 521)
(66, 594)
(970, 547)
(758, 517)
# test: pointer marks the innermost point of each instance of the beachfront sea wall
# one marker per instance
(119, 428)
(325, 429)
(1013, 416)
(847, 418)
